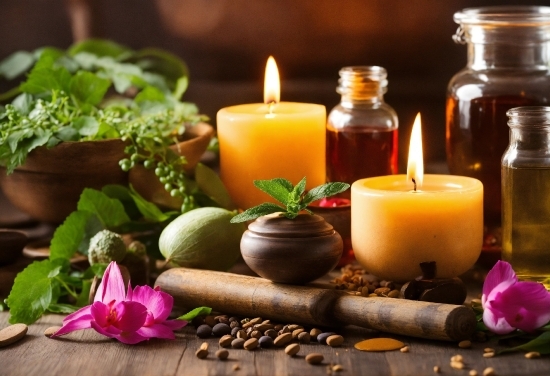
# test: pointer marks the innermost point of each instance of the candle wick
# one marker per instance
(414, 182)
(271, 105)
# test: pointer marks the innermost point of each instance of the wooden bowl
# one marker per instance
(193, 145)
(293, 251)
(11, 245)
(49, 184)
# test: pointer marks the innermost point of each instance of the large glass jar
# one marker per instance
(526, 194)
(507, 66)
(362, 129)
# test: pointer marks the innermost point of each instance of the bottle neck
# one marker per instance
(509, 56)
(349, 100)
(529, 128)
(362, 86)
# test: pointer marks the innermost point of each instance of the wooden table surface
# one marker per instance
(88, 353)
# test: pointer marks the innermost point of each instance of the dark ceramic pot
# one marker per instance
(11, 245)
(49, 184)
(294, 251)
(194, 142)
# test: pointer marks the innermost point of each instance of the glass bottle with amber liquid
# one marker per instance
(362, 129)
(508, 66)
(526, 194)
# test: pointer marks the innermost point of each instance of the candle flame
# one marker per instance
(415, 166)
(272, 85)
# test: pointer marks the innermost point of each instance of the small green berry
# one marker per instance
(135, 157)
(159, 171)
(148, 164)
(174, 193)
(168, 186)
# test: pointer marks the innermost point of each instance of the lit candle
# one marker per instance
(270, 140)
(399, 221)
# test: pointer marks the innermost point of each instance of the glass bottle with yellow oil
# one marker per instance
(526, 194)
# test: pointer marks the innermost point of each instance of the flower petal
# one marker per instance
(157, 302)
(112, 285)
(525, 305)
(131, 338)
(101, 312)
(501, 273)
(156, 331)
(78, 314)
(175, 324)
(83, 322)
(495, 321)
(109, 331)
(130, 316)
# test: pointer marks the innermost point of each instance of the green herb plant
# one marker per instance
(295, 198)
(100, 90)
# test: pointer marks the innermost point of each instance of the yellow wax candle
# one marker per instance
(265, 141)
(399, 221)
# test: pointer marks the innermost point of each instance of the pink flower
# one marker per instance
(509, 304)
(131, 318)
(333, 202)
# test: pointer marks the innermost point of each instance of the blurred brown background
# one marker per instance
(226, 43)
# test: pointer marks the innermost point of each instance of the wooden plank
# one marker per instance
(88, 353)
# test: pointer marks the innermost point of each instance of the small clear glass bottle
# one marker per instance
(362, 129)
(526, 194)
(508, 66)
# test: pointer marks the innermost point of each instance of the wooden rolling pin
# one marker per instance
(251, 297)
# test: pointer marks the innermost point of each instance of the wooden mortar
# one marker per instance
(251, 297)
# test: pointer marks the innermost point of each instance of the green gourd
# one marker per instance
(202, 238)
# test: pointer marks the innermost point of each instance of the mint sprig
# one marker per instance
(294, 198)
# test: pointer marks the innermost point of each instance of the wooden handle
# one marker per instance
(251, 297)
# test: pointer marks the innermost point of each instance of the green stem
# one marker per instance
(69, 290)
(10, 94)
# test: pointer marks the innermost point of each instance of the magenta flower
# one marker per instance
(131, 318)
(509, 304)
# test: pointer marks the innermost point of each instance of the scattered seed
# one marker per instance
(210, 321)
(335, 340)
(265, 342)
(304, 337)
(437, 369)
(382, 291)
(283, 339)
(236, 367)
(12, 334)
(337, 368)
(472, 372)
(404, 349)
(457, 358)
(373, 295)
(204, 331)
(238, 343)
(202, 352)
(234, 324)
(457, 365)
(271, 333)
(242, 334)
(251, 344)
(278, 327)
(292, 349)
(226, 340)
(296, 332)
(488, 354)
(465, 344)
(222, 354)
(322, 338)
(314, 358)
(51, 330)
(314, 333)
(255, 334)
(489, 371)
(532, 355)
(393, 294)
(220, 330)
(488, 350)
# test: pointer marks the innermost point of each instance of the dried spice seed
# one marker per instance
(221, 329)
(292, 349)
(226, 340)
(210, 321)
(404, 349)
(457, 365)
(335, 340)
(296, 333)
(532, 355)
(236, 367)
(265, 342)
(465, 344)
(283, 339)
(242, 334)
(314, 358)
(314, 333)
(489, 371)
(222, 354)
(204, 331)
(337, 368)
(393, 294)
(237, 343)
(234, 331)
(437, 369)
(488, 354)
(202, 352)
(234, 324)
(12, 334)
(472, 372)
(51, 330)
(322, 338)
(488, 350)
(304, 337)
(382, 291)
(271, 333)
(251, 344)
(457, 358)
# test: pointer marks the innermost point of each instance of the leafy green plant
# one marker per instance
(294, 198)
(100, 90)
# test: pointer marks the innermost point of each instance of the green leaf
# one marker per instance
(162, 62)
(67, 134)
(210, 184)
(540, 344)
(41, 137)
(23, 103)
(149, 210)
(200, 311)
(67, 237)
(151, 94)
(181, 86)
(122, 194)
(62, 308)
(16, 64)
(31, 293)
(92, 227)
(88, 88)
(257, 211)
(325, 190)
(276, 188)
(101, 47)
(299, 190)
(86, 126)
(44, 78)
(109, 211)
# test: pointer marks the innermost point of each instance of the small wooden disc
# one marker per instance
(379, 344)
(12, 333)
